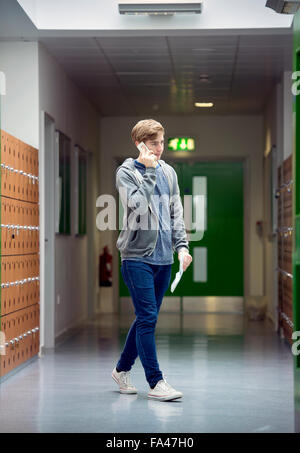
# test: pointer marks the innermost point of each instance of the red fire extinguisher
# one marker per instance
(105, 268)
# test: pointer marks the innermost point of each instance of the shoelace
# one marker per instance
(165, 383)
(125, 378)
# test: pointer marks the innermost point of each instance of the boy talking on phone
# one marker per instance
(153, 229)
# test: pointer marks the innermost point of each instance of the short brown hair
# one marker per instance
(146, 130)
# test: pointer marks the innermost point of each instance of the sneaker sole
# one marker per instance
(125, 391)
(165, 398)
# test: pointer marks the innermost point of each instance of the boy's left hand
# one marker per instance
(187, 258)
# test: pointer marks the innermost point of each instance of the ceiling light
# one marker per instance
(159, 7)
(204, 104)
(204, 78)
(283, 6)
(204, 49)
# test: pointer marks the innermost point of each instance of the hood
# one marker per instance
(129, 163)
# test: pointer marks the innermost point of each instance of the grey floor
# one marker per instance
(236, 376)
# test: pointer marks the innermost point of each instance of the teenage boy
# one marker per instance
(153, 228)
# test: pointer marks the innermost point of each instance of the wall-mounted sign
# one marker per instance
(181, 144)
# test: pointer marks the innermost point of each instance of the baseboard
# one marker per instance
(271, 320)
(67, 333)
(18, 368)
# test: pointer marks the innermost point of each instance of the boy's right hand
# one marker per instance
(147, 157)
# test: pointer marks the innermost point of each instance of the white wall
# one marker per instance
(19, 107)
(217, 138)
(76, 118)
(35, 82)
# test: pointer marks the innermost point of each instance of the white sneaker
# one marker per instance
(164, 392)
(123, 381)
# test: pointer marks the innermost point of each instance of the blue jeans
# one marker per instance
(147, 284)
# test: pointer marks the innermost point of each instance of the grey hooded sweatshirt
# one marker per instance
(140, 223)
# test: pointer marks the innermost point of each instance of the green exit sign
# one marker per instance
(181, 144)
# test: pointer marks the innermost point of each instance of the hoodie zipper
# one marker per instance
(156, 229)
(154, 216)
(168, 179)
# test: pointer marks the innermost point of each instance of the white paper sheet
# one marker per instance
(178, 275)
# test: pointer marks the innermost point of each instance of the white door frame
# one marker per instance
(47, 231)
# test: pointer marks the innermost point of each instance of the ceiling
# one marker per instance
(163, 72)
(166, 75)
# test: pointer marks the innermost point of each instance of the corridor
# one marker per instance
(213, 92)
(235, 375)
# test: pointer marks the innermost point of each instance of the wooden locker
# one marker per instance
(19, 251)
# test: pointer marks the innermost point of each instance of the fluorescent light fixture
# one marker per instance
(204, 104)
(159, 7)
(204, 78)
(203, 49)
(283, 6)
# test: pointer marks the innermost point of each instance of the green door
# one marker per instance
(217, 267)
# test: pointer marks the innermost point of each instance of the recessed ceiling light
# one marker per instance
(203, 104)
(204, 78)
(202, 49)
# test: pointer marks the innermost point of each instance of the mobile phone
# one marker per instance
(142, 147)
